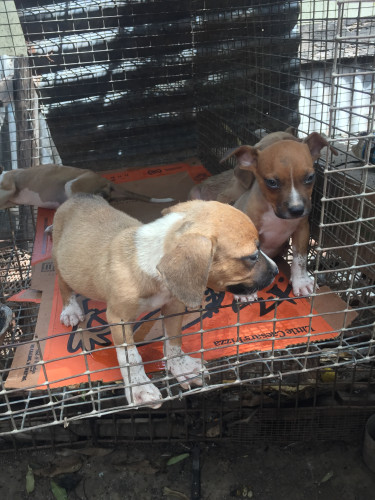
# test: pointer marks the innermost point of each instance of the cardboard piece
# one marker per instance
(229, 328)
(28, 295)
(43, 241)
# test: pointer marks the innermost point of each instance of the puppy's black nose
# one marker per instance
(296, 210)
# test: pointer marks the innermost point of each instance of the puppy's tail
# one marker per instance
(161, 200)
(117, 193)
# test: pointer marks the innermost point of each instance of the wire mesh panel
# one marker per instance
(256, 78)
(125, 68)
(346, 217)
(117, 84)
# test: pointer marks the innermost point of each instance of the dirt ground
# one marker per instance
(310, 471)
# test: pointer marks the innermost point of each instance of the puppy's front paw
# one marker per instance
(72, 313)
(143, 391)
(146, 395)
(246, 298)
(185, 369)
(304, 285)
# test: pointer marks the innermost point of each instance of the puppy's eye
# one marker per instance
(251, 259)
(272, 183)
(309, 178)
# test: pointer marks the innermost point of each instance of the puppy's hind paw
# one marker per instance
(72, 314)
(71, 318)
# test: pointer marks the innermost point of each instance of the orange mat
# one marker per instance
(218, 342)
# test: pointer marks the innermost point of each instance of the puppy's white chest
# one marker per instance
(28, 197)
(274, 232)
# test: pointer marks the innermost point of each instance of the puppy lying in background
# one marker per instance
(104, 254)
(228, 186)
(280, 181)
(48, 186)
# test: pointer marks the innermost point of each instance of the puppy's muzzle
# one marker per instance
(264, 272)
(293, 211)
(296, 210)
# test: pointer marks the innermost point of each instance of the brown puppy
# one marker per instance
(104, 254)
(279, 200)
(49, 186)
(280, 180)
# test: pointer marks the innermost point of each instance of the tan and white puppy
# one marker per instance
(48, 186)
(280, 179)
(104, 254)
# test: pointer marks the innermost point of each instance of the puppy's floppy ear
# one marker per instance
(186, 267)
(316, 143)
(247, 156)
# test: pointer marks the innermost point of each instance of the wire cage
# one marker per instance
(124, 84)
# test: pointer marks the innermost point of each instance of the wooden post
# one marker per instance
(26, 114)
